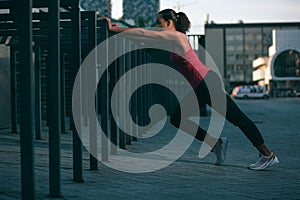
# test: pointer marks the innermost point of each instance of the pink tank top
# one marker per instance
(190, 66)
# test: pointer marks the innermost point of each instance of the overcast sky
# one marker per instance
(228, 11)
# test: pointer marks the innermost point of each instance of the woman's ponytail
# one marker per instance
(181, 21)
(183, 24)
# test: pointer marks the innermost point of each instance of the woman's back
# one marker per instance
(190, 66)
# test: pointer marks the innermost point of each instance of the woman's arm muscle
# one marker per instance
(145, 35)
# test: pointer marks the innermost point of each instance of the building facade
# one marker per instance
(141, 13)
(101, 6)
(233, 47)
(280, 71)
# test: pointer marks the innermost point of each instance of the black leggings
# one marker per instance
(233, 114)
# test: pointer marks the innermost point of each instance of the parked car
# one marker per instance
(250, 92)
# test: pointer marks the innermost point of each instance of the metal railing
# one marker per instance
(66, 41)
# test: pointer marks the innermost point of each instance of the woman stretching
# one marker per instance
(175, 25)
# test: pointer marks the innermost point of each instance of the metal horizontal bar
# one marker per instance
(7, 4)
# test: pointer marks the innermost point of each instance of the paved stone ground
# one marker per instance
(187, 178)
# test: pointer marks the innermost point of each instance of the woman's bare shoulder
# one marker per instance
(182, 42)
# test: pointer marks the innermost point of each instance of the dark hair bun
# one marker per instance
(183, 23)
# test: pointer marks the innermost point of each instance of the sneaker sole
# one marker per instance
(272, 162)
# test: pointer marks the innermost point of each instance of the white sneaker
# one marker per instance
(264, 161)
(220, 150)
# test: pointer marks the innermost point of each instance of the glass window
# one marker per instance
(230, 67)
(267, 36)
(259, 47)
(230, 48)
(239, 57)
(229, 37)
(287, 64)
(252, 33)
(253, 36)
(239, 47)
(239, 37)
(230, 58)
(258, 37)
(250, 57)
(249, 37)
(234, 34)
(236, 47)
(239, 67)
(248, 47)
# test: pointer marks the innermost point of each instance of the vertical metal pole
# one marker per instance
(62, 94)
(13, 89)
(26, 100)
(146, 90)
(112, 83)
(92, 42)
(104, 102)
(84, 78)
(37, 63)
(139, 103)
(54, 98)
(143, 93)
(76, 61)
(121, 69)
(127, 66)
(134, 83)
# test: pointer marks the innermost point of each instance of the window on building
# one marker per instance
(249, 36)
(239, 67)
(239, 47)
(239, 37)
(230, 47)
(234, 34)
(229, 38)
(248, 47)
(230, 58)
(258, 47)
(267, 39)
(287, 64)
(258, 37)
(238, 57)
(253, 36)
(250, 57)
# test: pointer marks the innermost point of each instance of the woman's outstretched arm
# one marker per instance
(145, 35)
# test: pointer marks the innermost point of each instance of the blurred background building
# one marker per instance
(101, 6)
(141, 13)
(233, 47)
(280, 71)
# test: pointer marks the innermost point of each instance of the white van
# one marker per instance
(250, 92)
